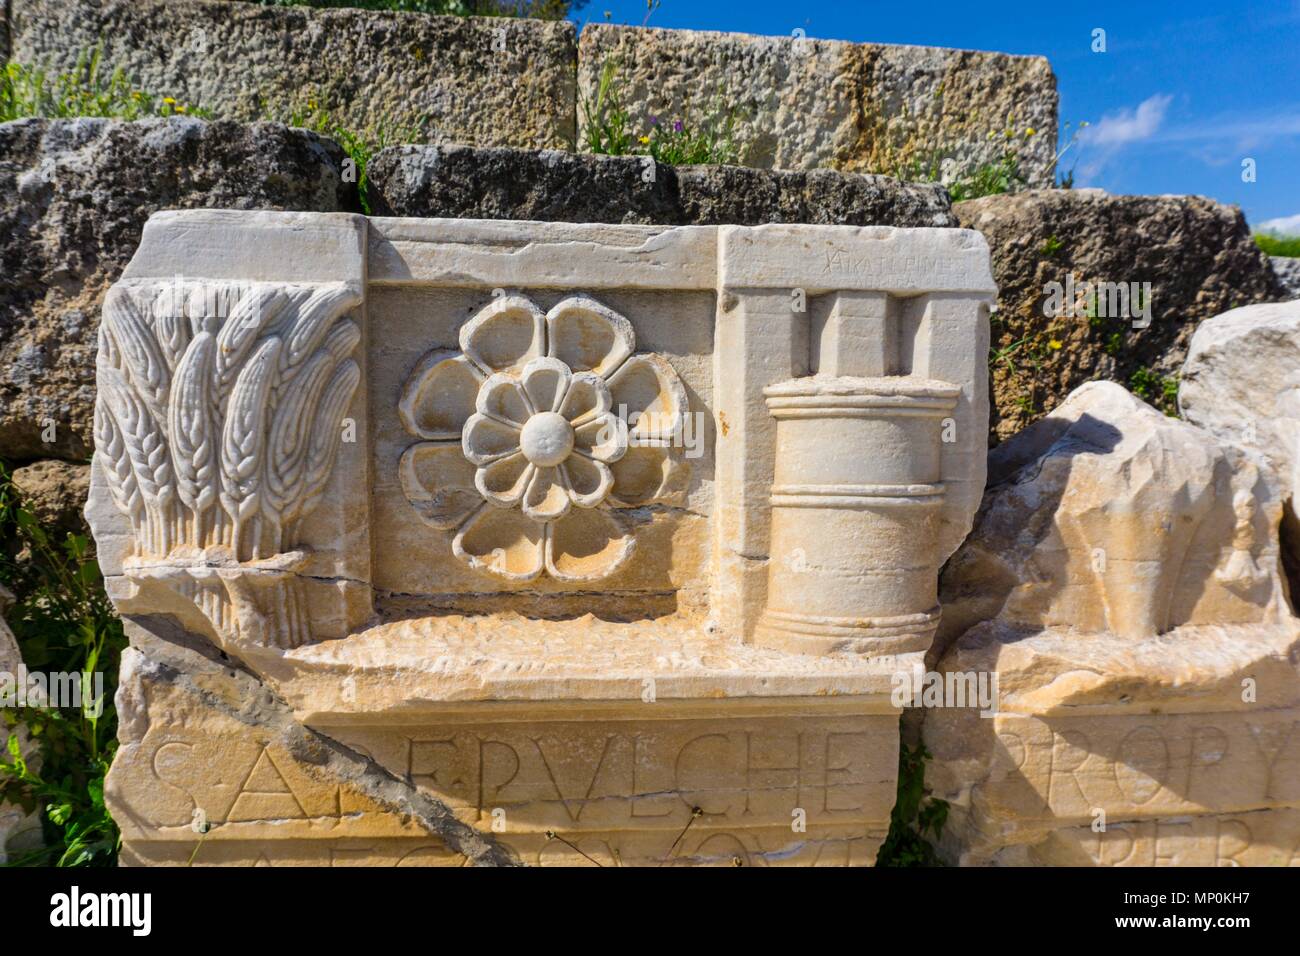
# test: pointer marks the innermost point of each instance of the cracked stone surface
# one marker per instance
(213, 769)
(1196, 254)
(1123, 585)
(802, 103)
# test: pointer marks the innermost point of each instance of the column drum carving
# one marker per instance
(855, 506)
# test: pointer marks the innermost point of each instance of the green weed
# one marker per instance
(63, 621)
(28, 91)
(915, 814)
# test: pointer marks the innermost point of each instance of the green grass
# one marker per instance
(27, 91)
(610, 130)
(1288, 246)
(991, 179)
(63, 621)
(1161, 391)
(915, 814)
(360, 145)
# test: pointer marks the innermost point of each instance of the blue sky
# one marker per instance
(1184, 92)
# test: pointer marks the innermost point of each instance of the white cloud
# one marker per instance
(1130, 126)
(1282, 226)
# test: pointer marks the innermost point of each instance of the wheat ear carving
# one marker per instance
(220, 410)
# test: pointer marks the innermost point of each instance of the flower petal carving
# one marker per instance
(603, 437)
(486, 439)
(503, 541)
(647, 473)
(505, 334)
(587, 336)
(546, 497)
(503, 481)
(546, 383)
(558, 421)
(439, 396)
(653, 396)
(589, 480)
(586, 545)
(588, 396)
(500, 397)
(439, 483)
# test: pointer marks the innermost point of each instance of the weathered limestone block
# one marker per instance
(804, 103)
(1241, 382)
(1122, 582)
(74, 196)
(1196, 255)
(463, 182)
(490, 504)
(1287, 270)
(481, 80)
(20, 829)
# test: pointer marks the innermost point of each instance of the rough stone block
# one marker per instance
(1287, 270)
(461, 182)
(1071, 265)
(76, 197)
(1122, 592)
(481, 80)
(803, 103)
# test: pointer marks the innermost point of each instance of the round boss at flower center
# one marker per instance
(546, 439)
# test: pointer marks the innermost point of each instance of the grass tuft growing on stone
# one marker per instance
(683, 141)
(359, 145)
(1158, 390)
(29, 91)
(991, 179)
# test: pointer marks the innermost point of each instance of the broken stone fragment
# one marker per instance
(1122, 586)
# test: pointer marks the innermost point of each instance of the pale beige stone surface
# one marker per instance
(1122, 582)
(452, 494)
(1151, 739)
(1107, 516)
(803, 102)
(1241, 381)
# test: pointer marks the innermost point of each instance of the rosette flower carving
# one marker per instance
(535, 432)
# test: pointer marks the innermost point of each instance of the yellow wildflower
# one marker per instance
(644, 139)
(1055, 344)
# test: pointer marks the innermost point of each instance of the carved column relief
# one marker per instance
(853, 368)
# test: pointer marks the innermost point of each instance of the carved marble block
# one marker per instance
(569, 543)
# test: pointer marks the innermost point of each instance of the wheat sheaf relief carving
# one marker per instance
(217, 423)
